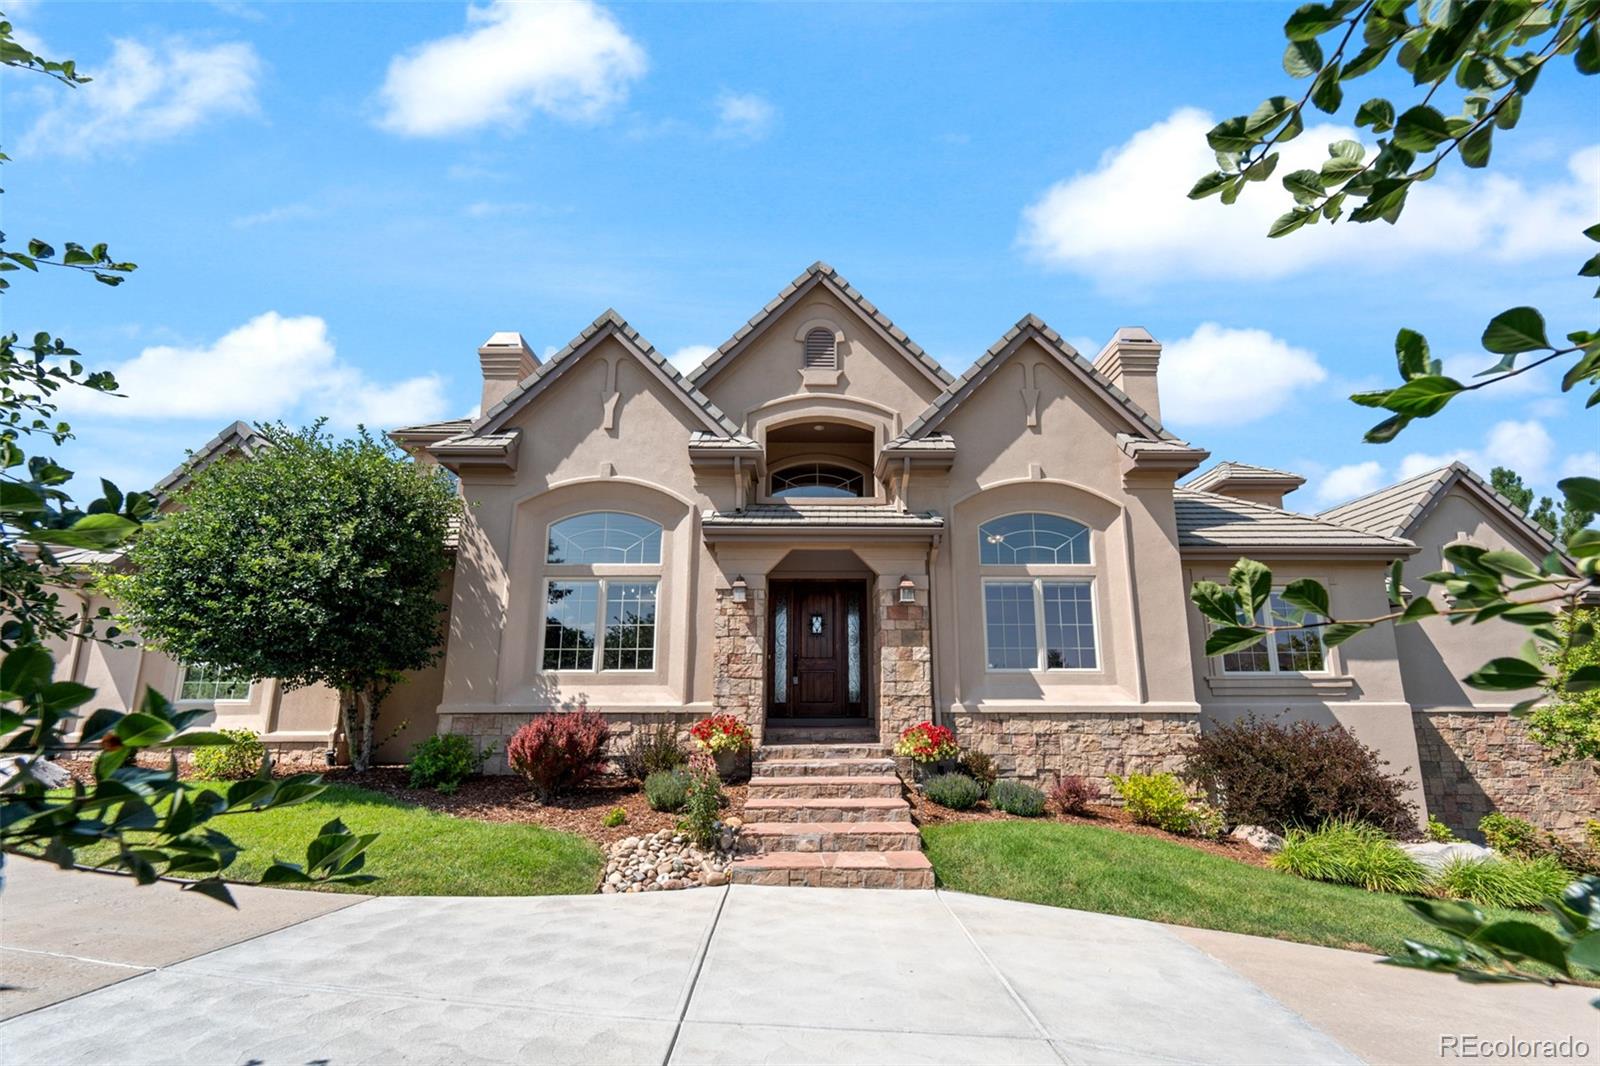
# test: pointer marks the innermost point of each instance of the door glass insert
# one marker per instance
(780, 649)
(852, 620)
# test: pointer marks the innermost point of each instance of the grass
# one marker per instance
(1351, 853)
(1095, 869)
(418, 852)
(1507, 882)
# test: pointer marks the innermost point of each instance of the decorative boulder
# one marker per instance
(1437, 856)
(44, 771)
(1258, 836)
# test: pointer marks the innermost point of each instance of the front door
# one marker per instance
(816, 649)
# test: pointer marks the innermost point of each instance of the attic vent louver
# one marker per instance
(822, 352)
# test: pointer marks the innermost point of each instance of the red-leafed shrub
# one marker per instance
(1300, 775)
(1073, 793)
(559, 752)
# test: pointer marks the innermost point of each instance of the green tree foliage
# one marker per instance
(1560, 522)
(159, 825)
(316, 560)
(1569, 722)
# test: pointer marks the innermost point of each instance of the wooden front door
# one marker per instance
(818, 644)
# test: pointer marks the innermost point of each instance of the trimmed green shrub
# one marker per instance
(614, 817)
(443, 762)
(1014, 797)
(956, 791)
(239, 758)
(1525, 883)
(1300, 775)
(1510, 835)
(981, 768)
(1073, 793)
(653, 748)
(1155, 799)
(1438, 832)
(667, 790)
(1349, 852)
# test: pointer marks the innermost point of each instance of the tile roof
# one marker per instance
(1228, 471)
(608, 323)
(820, 273)
(828, 515)
(1208, 520)
(933, 442)
(700, 439)
(450, 426)
(1034, 326)
(240, 437)
(1395, 510)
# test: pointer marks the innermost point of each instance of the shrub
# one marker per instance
(1073, 793)
(1591, 833)
(1510, 835)
(1491, 882)
(981, 768)
(720, 733)
(1282, 777)
(1205, 821)
(443, 762)
(956, 791)
(653, 748)
(667, 790)
(1348, 852)
(614, 817)
(1014, 797)
(1438, 832)
(1155, 799)
(559, 752)
(704, 800)
(239, 758)
(926, 742)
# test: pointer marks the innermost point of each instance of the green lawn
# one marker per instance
(418, 852)
(1094, 869)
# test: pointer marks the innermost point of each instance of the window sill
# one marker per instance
(1282, 685)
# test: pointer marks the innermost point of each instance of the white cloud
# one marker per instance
(282, 213)
(1583, 464)
(1525, 447)
(687, 358)
(270, 367)
(569, 60)
(146, 93)
(746, 116)
(1347, 482)
(1220, 375)
(1130, 219)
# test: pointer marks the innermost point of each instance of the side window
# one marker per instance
(596, 619)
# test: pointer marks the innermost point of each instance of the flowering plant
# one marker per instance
(926, 742)
(720, 733)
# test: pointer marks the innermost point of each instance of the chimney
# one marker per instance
(1130, 359)
(506, 359)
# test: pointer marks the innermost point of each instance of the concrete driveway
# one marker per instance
(111, 973)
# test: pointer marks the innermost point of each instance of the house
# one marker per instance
(820, 529)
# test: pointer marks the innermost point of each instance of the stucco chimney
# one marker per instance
(1130, 359)
(506, 359)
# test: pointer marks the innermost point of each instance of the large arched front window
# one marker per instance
(1038, 593)
(818, 481)
(600, 600)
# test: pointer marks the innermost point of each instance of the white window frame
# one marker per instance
(598, 666)
(179, 699)
(1041, 644)
(1270, 642)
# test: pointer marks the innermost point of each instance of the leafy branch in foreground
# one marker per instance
(1483, 951)
(1493, 51)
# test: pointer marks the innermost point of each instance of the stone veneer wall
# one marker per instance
(1045, 746)
(739, 649)
(905, 663)
(497, 729)
(1475, 762)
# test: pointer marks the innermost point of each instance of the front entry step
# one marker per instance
(836, 869)
(818, 786)
(821, 734)
(826, 809)
(758, 838)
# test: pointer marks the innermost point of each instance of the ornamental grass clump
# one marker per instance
(1348, 852)
(927, 743)
(1016, 798)
(955, 791)
(1523, 883)
(239, 758)
(667, 790)
(558, 752)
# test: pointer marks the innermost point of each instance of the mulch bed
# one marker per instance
(504, 798)
(1104, 816)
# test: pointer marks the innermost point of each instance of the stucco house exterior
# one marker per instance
(819, 528)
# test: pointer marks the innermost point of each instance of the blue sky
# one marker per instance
(332, 205)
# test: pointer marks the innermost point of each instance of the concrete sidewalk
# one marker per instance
(730, 975)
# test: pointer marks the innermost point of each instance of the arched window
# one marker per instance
(822, 349)
(602, 619)
(824, 480)
(1038, 605)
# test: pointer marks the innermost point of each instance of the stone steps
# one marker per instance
(757, 838)
(829, 767)
(819, 752)
(827, 809)
(819, 786)
(836, 869)
(840, 734)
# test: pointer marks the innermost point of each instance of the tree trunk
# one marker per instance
(361, 754)
(347, 722)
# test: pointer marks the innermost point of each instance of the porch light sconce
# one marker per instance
(741, 589)
(908, 590)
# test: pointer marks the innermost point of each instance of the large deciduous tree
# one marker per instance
(314, 560)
